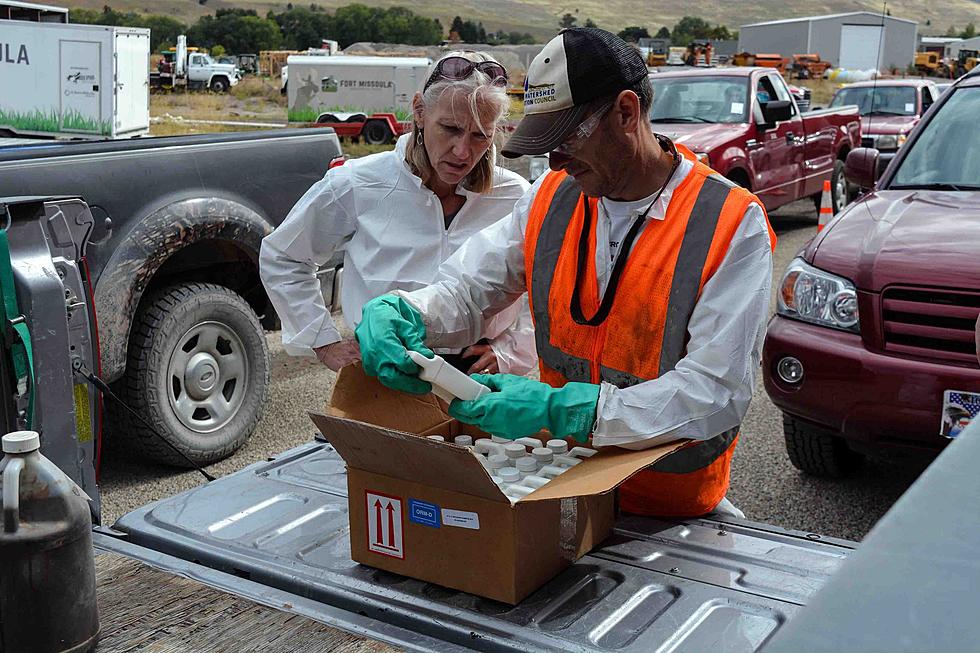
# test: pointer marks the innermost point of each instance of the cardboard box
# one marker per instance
(429, 509)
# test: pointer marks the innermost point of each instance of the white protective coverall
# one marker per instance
(709, 390)
(393, 233)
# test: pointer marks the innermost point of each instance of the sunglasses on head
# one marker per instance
(461, 68)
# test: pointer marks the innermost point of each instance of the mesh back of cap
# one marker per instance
(600, 63)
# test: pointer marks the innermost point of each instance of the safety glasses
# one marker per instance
(461, 68)
(574, 142)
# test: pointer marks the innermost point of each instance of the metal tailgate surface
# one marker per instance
(695, 585)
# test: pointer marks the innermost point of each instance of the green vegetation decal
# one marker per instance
(53, 121)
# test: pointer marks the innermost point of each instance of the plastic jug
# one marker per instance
(47, 563)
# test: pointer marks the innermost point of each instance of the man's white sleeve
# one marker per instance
(322, 220)
(483, 277)
(709, 390)
(515, 348)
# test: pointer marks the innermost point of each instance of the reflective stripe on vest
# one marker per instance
(546, 252)
(683, 296)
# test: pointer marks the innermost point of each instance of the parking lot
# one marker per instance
(764, 483)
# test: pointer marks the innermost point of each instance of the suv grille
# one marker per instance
(933, 324)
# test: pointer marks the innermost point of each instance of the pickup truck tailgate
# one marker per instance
(692, 585)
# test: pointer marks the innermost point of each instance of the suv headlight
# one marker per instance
(887, 142)
(818, 297)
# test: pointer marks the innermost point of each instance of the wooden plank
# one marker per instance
(145, 609)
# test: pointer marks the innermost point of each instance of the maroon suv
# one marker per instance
(873, 341)
(890, 109)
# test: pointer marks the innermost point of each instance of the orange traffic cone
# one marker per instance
(826, 206)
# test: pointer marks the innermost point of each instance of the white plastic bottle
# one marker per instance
(530, 443)
(514, 450)
(437, 438)
(448, 383)
(498, 461)
(551, 471)
(560, 447)
(535, 481)
(527, 466)
(543, 455)
(509, 474)
(582, 452)
(463, 440)
(488, 447)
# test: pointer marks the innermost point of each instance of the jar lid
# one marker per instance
(498, 461)
(509, 474)
(527, 464)
(558, 446)
(514, 450)
(543, 454)
(21, 442)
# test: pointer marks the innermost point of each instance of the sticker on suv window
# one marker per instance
(959, 408)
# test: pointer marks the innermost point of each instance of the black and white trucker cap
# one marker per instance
(579, 65)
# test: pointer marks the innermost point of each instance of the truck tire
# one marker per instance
(197, 370)
(840, 190)
(219, 84)
(816, 452)
(376, 132)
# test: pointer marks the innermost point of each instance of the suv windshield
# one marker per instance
(878, 101)
(699, 99)
(946, 154)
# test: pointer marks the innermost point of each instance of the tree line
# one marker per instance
(299, 27)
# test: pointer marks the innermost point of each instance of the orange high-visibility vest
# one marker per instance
(645, 332)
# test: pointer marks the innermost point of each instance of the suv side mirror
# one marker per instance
(777, 111)
(861, 167)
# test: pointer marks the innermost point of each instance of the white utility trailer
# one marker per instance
(74, 81)
(343, 85)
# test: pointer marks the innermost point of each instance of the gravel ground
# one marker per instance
(764, 483)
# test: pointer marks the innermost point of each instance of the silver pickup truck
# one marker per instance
(276, 533)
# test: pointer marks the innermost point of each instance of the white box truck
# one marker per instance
(74, 81)
(343, 87)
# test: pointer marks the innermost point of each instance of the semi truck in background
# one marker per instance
(360, 97)
(73, 81)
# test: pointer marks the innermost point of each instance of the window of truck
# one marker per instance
(878, 101)
(946, 154)
(699, 99)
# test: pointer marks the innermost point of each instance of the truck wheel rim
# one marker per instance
(207, 377)
(840, 200)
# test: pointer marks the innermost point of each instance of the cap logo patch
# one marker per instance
(538, 94)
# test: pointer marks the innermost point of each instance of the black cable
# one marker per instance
(103, 387)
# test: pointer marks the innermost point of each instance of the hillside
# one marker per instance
(540, 17)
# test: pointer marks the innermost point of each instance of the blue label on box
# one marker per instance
(422, 512)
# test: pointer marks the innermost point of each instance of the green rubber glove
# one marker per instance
(519, 407)
(389, 327)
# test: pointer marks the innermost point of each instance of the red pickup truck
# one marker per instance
(889, 110)
(873, 342)
(745, 123)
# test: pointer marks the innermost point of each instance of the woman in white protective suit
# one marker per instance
(398, 215)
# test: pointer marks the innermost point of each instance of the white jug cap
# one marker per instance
(21, 442)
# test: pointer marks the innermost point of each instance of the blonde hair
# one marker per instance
(477, 89)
